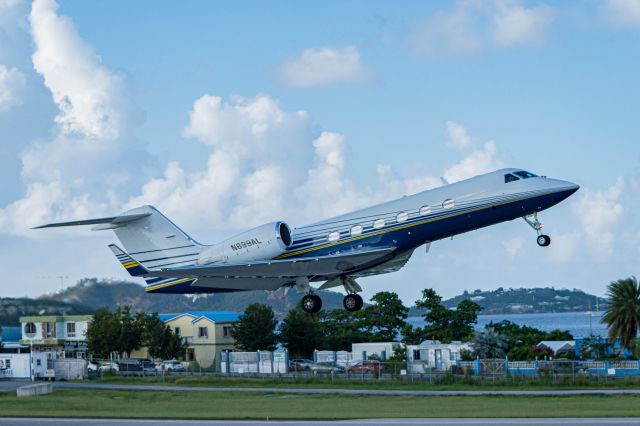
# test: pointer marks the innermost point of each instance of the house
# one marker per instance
(434, 355)
(381, 350)
(558, 347)
(206, 333)
(58, 336)
(10, 340)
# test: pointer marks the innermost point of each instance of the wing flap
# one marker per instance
(322, 265)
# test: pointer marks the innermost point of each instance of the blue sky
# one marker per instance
(229, 115)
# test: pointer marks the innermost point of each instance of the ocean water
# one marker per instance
(580, 324)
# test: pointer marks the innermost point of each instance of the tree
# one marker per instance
(340, 329)
(300, 333)
(103, 333)
(385, 318)
(442, 323)
(489, 344)
(522, 339)
(160, 339)
(255, 329)
(622, 314)
(131, 328)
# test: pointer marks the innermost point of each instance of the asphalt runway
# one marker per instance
(372, 422)
(8, 386)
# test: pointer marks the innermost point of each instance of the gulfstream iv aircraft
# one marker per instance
(334, 252)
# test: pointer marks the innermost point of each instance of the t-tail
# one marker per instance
(150, 240)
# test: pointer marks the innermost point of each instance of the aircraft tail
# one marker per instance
(148, 237)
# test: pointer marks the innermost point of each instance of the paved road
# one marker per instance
(11, 386)
(373, 422)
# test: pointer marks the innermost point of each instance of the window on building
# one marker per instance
(226, 331)
(177, 331)
(49, 330)
(453, 355)
(29, 328)
(7, 363)
(203, 332)
(416, 354)
(71, 329)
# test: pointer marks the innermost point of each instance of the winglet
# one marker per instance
(132, 266)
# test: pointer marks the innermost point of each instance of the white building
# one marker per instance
(18, 366)
(58, 336)
(382, 350)
(433, 355)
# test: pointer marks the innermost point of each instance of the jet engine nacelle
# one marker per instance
(261, 243)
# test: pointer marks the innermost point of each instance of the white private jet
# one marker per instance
(336, 251)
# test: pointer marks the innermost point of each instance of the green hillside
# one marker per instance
(11, 309)
(528, 300)
(97, 293)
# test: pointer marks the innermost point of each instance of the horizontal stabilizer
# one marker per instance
(102, 223)
(133, 267)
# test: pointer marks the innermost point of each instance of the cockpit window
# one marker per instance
(525, 175)
(510, 178)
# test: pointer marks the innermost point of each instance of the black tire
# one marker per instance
(352, 302)
(311, 303)
(543, 240)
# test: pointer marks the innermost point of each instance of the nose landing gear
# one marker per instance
(542, 240)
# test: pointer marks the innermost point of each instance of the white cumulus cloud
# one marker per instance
(86, 165)
(322, 66)
(458, 136)
(472, 27)
(483, 160)
(12, 82)
(622, 12)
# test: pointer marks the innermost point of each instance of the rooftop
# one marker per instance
(215, 316)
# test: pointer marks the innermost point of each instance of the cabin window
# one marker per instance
(356, 230)
(448, 203)
(525, 175)
(425, 210)
(402, 217)
(334, 236)
(510, 178)
(378, 224)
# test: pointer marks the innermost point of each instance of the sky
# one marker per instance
(228, 115)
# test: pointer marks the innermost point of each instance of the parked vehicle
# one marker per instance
(363, 367)
(326, 367)
(109, 366)
(170, 366)
(300, 364)
(136, 367)
(92, 367)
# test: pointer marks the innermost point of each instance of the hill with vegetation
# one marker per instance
(11, 309)
(528, 301)
(112, 294)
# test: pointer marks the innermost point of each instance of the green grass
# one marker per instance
(262, 405)
(441, 383)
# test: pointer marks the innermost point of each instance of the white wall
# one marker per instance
(19, 365)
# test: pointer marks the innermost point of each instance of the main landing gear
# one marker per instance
(542, 240)
(311, 303)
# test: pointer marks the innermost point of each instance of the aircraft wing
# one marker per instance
(322, 265)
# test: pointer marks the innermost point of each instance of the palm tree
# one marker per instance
(622, 315)
(489, 344)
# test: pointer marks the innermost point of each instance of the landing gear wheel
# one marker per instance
(311, 303)
(352, 302)
(543, 240)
